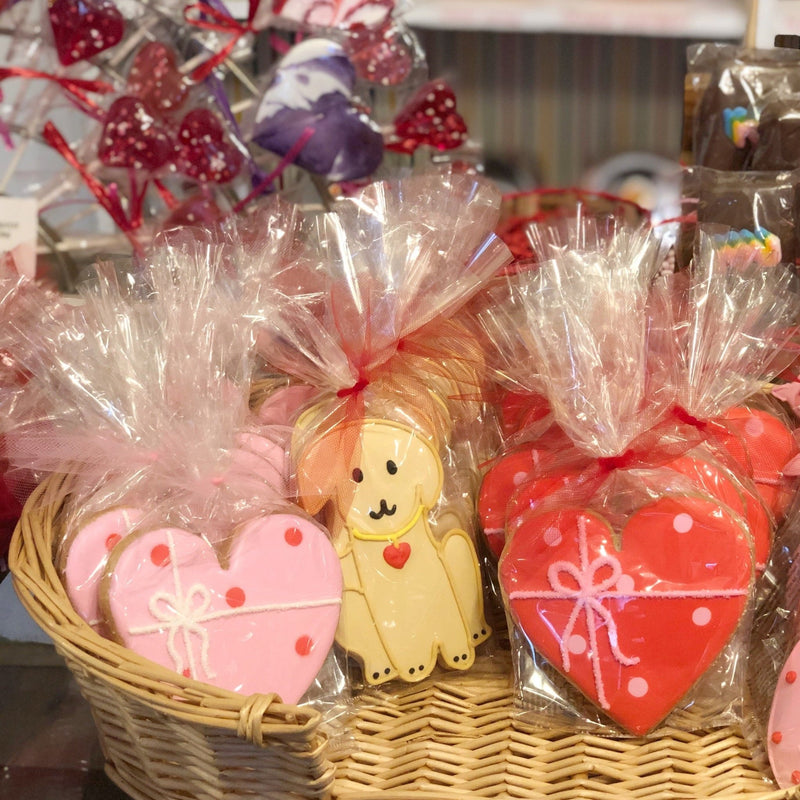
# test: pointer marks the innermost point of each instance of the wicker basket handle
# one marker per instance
(251, 716)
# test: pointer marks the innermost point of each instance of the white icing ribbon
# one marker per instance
(186, 613)
(588, 596)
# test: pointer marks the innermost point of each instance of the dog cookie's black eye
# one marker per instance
(358, 475)
(391, 467)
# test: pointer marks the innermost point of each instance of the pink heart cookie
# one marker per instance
(86, 553)
(262, 622)
(783, 729)
(632, 620)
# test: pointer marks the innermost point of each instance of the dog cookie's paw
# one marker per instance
(377, 675)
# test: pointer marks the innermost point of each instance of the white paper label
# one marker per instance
(18, 225)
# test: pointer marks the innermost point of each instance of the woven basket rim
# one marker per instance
(41, 592)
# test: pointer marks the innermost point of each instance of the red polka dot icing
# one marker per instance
(159, 555)
(293, 536)
(241, 626)
(304, 645)
(235, 597)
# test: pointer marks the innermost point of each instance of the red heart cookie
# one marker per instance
(512, 484)
(132, 138)
(749, 506)
(155, 78)
(84, 28)
(430, 118)
(633, 625)
(764, 446)
(204, 151)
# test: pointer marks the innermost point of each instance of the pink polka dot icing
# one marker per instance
(682, 523)
(637, 687)
(87, 553)
(263, 621)
(701, 616)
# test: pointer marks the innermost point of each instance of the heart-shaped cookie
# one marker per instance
(429, 118)
(783, 729)
(205, 152)
(132, 138)
(84, 28)
(262, 621)
(311, 90)
(84, 555)
(713, 480)
(634, 619)
(763, 447)
(155, 78)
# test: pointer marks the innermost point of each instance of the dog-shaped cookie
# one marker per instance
(409, 597)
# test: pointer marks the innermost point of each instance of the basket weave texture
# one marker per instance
(453, 735)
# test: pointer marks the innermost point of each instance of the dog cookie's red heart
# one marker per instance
(633, 625)
(155, 78)
(204, 151)
(765, 445)
(132, 138)
(84, 28)
(396, 555)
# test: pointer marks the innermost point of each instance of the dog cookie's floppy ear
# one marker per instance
(316, 482)
(430, 472)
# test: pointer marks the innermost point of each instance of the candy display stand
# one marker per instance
(453, 735)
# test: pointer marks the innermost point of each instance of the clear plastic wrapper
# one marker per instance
(760, 208)
(180, 540)
(742, 92)
(611, 555)
(732, 319)
(379, 449)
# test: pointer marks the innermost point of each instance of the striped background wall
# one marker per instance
(554, 105)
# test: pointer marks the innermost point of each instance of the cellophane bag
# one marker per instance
(741, 93)
(760, 208)
(181, 542)
(612, 555)
(382, 450)
(732, 318)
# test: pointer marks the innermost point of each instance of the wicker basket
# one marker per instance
(451, 736)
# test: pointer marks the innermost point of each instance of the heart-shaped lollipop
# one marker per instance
(383, 54)
(429, 118)
(311, 90)
(132, 138)
(84, 28)
(155, 79)
(204, 151)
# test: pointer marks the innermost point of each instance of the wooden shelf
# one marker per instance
(689, 19)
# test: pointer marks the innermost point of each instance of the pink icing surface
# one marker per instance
(783, 730)
(88, 554)
(263, 624)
